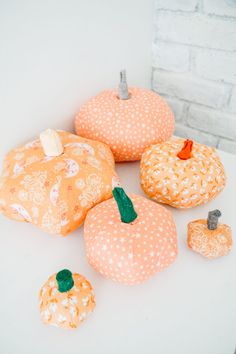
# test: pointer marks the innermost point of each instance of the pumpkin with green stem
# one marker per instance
(129, 238)
(66, 300)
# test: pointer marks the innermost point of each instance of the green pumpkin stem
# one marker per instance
(64, 280)
(125, 205)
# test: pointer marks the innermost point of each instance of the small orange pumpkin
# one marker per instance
(52, 183)
(207, 237)
(181, 173)
(129, 239)
(128, 120)
(66, 300)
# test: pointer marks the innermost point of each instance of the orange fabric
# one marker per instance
(127, 126)
(185, 152)
(130, 253)
(181, 183)
(55, 193)
(209, 243)
(68, 309)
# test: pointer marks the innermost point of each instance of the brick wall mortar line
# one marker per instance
(157, 40)
(203, 14)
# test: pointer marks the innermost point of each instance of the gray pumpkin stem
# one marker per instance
(212, 220)
(123, 87)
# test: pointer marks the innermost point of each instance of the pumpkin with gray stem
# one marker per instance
(210, 238)
(127, 119)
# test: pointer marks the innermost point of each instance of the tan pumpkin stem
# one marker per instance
(51, 143)
(186, 152)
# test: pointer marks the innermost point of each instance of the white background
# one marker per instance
(56, 54)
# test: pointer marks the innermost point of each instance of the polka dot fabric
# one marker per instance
(181, 183)
(130, 253)
(127, 126)
(68, 309)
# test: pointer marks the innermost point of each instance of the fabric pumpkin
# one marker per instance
(66, 300)
(55, 192)
(181, 173)
(128, 122)
(210, 239)
(128, 239)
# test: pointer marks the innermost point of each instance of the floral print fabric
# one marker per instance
(68, 309)
(209, 243)
(181, 183)
(55, 193)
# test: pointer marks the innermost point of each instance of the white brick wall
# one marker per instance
(191, 88)
(232, 104)
(184, 5)
(212, 121)
(215, 65)
(196, 29)
(194, 67)
(162, 55)
(220, 7)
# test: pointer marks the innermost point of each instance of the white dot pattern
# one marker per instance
(130, 253)
(127, 126)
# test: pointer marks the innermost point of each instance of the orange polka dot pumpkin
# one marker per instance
(210, 238)
(128, 120)
(129, 239)
(181, 173)
(55, 192)
(66, 300)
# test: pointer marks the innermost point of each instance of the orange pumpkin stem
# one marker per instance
(186, 151)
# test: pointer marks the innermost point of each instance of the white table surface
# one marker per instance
(190, 308)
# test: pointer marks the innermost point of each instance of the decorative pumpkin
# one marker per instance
(209, 238)
(129, 239)
(66, 300)
(55, 192)
(128, 120)
(181, 173)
